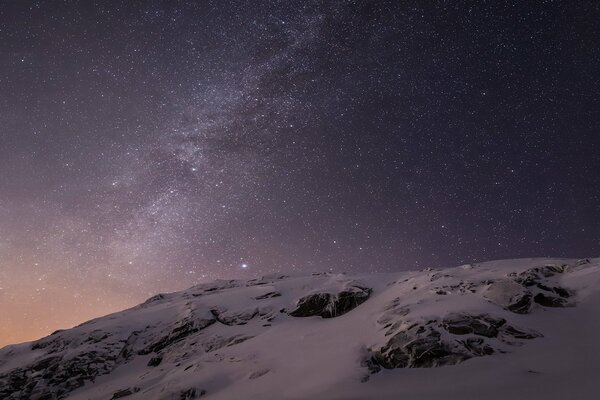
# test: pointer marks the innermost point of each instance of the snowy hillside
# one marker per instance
(507, 329)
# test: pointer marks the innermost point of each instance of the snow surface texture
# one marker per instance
(506, 329)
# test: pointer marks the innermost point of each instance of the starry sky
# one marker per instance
(149, 145)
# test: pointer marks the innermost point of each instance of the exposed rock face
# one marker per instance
(509, 295)
(54, 377)
(418, 346)
(482, 325)
(550, 301)
(155, 361)
(217, 342)
(540, 289)
(537, 275)
(124, 393)
(311, 305)
(185, 329)
(454, 339)
(329, 305)
(242, 317)
(268, 295)
(191, 394)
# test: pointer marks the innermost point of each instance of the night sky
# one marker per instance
(146, 146)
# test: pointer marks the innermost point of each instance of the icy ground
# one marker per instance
(513, 329)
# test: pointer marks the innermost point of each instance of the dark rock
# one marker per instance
(544, 287)
(516, 333)
(45, 363)
(416, 347)
(185, 329)
(550, 301)
(421, 345)
(258, 374)
(477, 347)
(124, 393)
(534, 276)
(242, 317)
(54, 377)
(327, 305)
(509, 295)
(237, 339)
(348, 300)
(522, 305)
(438, 275)
(155, 361)
(217, 342)
(562, 292)
(482, 325)
(311, 305)
(267, 295)
(191, 394)
(391, 316)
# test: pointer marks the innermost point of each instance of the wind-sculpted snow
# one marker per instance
(318, 336)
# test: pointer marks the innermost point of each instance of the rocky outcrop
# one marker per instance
(191, 394)
(329, 305)
(537, 275)
(520, 291)
(538, 287)
(54, 377)
(217, 342)
(435, 343)
(419, 346)
(124, 393)
(179, 333)
(481, 325)
(550, 301)
(268, 295)
(242, 317)
(509, 295)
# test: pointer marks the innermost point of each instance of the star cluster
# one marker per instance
(147, 146)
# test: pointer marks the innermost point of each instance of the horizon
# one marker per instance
(149, 145)
(293, 274)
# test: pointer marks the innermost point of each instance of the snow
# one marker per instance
(218, 338)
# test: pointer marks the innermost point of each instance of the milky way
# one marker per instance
(146, 146)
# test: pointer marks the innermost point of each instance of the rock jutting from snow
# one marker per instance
(329, 305)
(456, 338)
(509, 295)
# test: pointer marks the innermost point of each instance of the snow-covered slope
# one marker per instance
(506, 329)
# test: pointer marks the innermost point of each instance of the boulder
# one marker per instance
(550, 301)
(155, 361)
(509, 295)
(329, 305)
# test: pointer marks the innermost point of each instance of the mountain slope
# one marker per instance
(514, 328)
